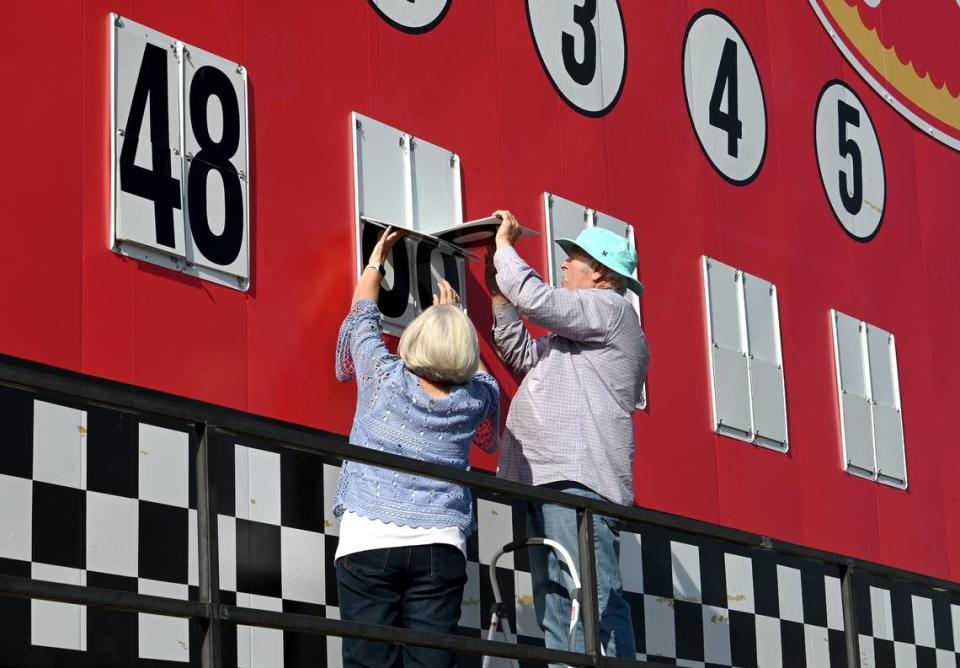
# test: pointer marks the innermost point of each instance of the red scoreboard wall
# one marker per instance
(475, 84)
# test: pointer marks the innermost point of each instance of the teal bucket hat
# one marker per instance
(609, 249)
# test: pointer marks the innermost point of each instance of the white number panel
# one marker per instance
(403, 180)
(407, 182)
(565, 220)
(868, 385)
(180, 172)
(582, 46)
(413, 270)
(412, 15)
(746, 360)
(724, 97)
(437, 203)
(215, 143)
(850, 161)
(623, 228)
(146, 139)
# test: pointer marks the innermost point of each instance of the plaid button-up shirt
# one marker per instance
(572, 417)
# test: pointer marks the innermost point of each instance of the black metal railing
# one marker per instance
(211, 421)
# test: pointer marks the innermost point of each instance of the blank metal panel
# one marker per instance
(731, 392)
(882, 378)
(769, 405)
(382, 172)
(436, 187)
(613, 224)
(888, 429)
(761, 319)
(723, 303)
(565, 220)
(850, 355)
(857, 433)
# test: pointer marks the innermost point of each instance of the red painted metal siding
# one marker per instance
(474, 84)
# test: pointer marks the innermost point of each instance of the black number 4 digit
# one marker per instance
(847, 115)
(154, 184)
(582, 71)
(728, 120)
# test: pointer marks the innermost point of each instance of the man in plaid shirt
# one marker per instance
(570, 425)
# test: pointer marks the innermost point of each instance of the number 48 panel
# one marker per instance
(179, 160)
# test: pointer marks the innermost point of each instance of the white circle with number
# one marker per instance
(850, 161)
(724, 97)
(412, 15)
(582, 46)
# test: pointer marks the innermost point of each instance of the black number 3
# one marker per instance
(582, 71)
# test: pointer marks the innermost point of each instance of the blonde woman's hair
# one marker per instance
(441, 345)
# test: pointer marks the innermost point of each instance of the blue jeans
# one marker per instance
(552, 582)
(416, 587)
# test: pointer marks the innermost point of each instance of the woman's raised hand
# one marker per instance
(384, 245)
(447, 294)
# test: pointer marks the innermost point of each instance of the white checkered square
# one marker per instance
(62, 625)
(160, 637)
(112, 534)
(164, 465)
(259, 647)
(302, 570)
(257, 485)
(59, 445)
(16, 509)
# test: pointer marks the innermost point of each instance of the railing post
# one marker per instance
(207, 548)
(850, 629)
(589, 608)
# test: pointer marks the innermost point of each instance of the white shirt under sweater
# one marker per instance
(358, 534)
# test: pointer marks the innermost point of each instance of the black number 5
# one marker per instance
(847, 115)
(582, 71)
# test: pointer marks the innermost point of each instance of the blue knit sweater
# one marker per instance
(395, 415)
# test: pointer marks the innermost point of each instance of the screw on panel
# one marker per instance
(359, 124)
(118, 22)
(737, 275)
(242, 175)
(403, 141)
(453, 160)
(176, 151)
(550, 200)
(239, 69)
(188, 155)
(121, 132)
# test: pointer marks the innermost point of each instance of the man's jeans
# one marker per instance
(416, 587)
(552, 582)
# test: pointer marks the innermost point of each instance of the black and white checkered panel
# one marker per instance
(104, 498)
(904, 626)
(277, 537)
(700, 602)
(95, 497)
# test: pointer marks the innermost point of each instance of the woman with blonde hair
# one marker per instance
(401, 556)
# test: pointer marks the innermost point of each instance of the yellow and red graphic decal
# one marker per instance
(906, 51)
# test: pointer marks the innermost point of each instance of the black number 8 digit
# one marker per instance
(215, 155)
(582, 72)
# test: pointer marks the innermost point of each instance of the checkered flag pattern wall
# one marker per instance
(103, 498)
